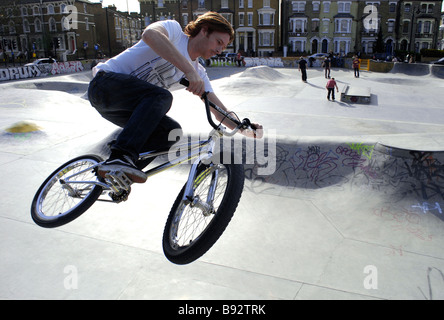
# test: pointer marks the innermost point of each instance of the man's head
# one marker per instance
(209, 35)
(210, 22)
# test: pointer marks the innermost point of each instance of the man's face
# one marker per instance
(213, 43)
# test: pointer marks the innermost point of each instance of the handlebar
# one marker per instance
(244, 124)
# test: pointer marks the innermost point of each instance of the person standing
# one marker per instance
(356, 66)
(303, 68)
(331, 85)
(327, 64)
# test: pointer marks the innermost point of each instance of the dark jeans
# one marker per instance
(138, 107)
(304, 74)
(332, 92)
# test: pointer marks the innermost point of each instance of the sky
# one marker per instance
(133, 5)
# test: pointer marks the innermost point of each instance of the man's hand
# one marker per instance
(197, 85)
(258, 133)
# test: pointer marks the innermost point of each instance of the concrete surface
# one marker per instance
(353, 209)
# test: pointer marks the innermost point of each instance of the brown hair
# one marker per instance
(213, 21)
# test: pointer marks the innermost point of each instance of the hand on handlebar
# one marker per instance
(254, 130)
(195, 84)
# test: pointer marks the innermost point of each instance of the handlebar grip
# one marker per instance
(247, 123)
(184, 82)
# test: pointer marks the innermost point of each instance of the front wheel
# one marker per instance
(58, 202)
(194, 225)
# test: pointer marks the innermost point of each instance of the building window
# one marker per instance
(326, 6)
(250, 3)
(316, 5)
(344, 7)
(241, 4)
(266, 19)
(266, 38)
(298, 6)
(241, 19)
(427, 27)
(298, 25)
(224, 4)
(315, 25)
(37, 25)
(325, 26)
(343, 25)
(405, 26)
(250, 18)
(26, 27)
(52, 25)
(390, 26)
(51, 9)
(36, 11)
(392, 7)
(407, 7)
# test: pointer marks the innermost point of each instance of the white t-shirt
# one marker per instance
(142, 62)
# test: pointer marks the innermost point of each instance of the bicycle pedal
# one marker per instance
(119, 180)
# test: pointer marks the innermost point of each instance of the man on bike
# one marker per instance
(130, 89)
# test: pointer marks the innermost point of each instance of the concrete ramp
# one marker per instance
(418, 69)
(437, 71)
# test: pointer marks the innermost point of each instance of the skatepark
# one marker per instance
(346, 202)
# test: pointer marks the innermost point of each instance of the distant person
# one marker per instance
(356, 66)
(327, 65)
(331, 85)
(303, 68)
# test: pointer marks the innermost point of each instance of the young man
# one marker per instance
(130, 90)
(331, 84)
(303, 68)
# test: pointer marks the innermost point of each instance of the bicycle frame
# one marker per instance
(198, 150)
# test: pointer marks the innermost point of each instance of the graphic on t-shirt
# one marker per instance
(158, 72)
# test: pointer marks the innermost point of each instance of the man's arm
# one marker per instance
(156, 36)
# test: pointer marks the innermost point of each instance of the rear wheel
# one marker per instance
(194, 225)
(57, 202)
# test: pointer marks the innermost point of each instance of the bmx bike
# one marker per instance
(200, 213)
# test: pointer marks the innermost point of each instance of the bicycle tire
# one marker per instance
(53, 206)
(194, 248)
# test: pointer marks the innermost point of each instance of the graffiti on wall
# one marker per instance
(34, 71)
(415, 175)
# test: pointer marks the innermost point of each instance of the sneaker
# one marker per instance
(123, 164)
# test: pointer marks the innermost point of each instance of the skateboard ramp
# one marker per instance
(418, 69)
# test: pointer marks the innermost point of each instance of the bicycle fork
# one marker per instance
(206, 205)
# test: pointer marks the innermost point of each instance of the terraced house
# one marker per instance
(353, 26)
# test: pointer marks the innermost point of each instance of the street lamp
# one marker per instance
(412, 44)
